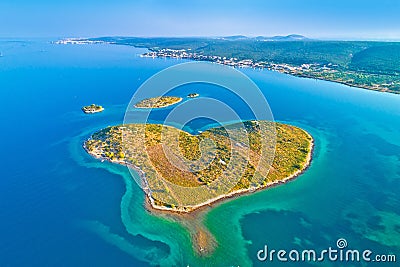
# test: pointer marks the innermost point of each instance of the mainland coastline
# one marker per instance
(369, 65)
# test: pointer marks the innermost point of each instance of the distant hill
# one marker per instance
(235, 37)
(278, 38)
(291, 37)
(378, 59)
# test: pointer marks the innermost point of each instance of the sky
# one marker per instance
(324, 19)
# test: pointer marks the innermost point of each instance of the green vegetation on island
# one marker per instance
(92, 109)
(166, 179)
(158, 102)
(365, 64)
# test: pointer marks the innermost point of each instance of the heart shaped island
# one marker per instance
(181, 172)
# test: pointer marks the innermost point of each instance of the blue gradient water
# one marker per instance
(60, 207)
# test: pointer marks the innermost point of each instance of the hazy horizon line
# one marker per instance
(382, 39)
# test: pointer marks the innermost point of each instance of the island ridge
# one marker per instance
(158, 102)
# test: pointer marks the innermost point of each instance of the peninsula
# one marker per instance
(92, 109)
(172, 186)
(373, 65)
(158, 102)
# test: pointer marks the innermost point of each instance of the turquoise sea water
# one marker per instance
(60, 207)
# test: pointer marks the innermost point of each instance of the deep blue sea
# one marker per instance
(60, 207)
